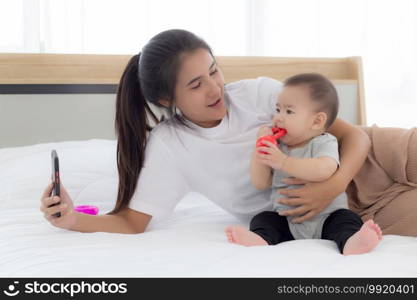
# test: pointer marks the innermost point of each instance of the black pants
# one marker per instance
(339, 226)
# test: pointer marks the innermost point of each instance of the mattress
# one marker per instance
(189, 243)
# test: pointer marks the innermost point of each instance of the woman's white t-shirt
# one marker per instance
(212, 161)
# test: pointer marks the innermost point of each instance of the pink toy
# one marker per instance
(87, 209)
(277, 134)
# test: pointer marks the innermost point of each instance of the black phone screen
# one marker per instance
(55, 179)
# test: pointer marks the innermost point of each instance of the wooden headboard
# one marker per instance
(58, 97)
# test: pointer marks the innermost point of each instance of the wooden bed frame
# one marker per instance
(38, 92)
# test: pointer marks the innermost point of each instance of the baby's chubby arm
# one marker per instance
(309, 169)
(261, 174)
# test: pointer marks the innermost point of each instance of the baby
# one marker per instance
(306, 107)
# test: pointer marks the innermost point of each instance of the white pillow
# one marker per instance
(88, 172)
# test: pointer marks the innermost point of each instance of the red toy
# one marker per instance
(277, 134)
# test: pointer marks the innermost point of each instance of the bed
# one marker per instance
(191, 242)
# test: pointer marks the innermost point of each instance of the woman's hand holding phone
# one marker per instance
(68, 217)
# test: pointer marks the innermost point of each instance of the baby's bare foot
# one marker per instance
(364, 240)
(240, 235)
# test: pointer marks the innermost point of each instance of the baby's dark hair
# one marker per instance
(322, 92)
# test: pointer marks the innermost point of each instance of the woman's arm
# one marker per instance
(354, 147)
(312, 198)
(126, 221)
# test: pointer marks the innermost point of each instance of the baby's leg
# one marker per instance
(266, 228)
(364, 240)
(351, 235)
(241, 236)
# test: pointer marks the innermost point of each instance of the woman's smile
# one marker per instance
(217, 103)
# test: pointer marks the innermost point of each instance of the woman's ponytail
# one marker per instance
(148, 76)
(131, 124)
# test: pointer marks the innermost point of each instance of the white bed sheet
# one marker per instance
(191, 243)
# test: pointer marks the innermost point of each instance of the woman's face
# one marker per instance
(199, 91)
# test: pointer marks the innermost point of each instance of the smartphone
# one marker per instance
(55, 179)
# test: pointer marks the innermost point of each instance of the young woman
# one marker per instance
(205, 145)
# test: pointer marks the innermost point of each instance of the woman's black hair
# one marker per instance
(148, 77)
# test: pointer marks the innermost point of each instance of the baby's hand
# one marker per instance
(271, 155)
(264, 130)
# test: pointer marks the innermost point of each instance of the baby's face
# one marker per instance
(295, 112)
